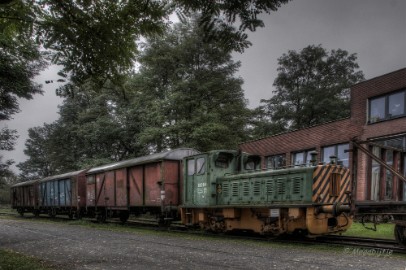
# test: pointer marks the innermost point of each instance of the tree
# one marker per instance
(40, 162)
(7, 141)
(20, 62)
(97, 39)
(192, 96)
(312, 87)
(260, 124)
(218, 19)
(95, 127)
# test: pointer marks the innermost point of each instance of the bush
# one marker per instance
(5, 194)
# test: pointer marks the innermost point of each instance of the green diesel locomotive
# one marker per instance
(227, 190)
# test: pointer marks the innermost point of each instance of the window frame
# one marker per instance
(335, 153)
(387, 115)
(267, 158)
(306, 156)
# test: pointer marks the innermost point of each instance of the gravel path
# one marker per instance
(76, 247)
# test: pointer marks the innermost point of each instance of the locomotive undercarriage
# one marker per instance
(304, 220)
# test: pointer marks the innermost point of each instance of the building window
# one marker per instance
(337, 150)
(275, 161)
(302, 158)
(375, 174)
(389, 176)
(387, 107)
(377, 111)
(396, 104)
(383, 186)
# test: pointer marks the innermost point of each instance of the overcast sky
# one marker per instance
(373, 29)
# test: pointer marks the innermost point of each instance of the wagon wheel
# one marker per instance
(124, 216)
(400, 234)
(101, 218)
(78, 215)
(52, 212)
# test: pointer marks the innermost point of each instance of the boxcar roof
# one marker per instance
(62, 176)
(175, 154)
(26, 183)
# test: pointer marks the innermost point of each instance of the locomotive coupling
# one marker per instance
(335, 209)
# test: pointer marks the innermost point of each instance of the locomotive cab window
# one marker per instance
(200, 165)
(335, 184)
(252, 163)
(222, 160)
(191, 167)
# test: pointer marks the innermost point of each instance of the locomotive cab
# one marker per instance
(201, 172)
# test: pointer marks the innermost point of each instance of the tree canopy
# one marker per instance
(97, 39)
(20, 62)
(95, 42)
(189, 88)
(312, 87)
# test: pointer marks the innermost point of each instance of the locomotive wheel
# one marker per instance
(400, 234)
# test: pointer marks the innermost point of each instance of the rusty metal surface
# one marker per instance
(136, 182)
(171, 182)
(121, 197)
(25, 195)
(152, 185)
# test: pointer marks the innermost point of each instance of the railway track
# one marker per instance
(365, 243)
(352, 245)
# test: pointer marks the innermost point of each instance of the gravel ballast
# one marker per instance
(80, 247)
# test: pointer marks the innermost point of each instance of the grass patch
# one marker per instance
(10, 260)
(384, 231)
(6, 208)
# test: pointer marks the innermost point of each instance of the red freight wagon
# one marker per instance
(24, 197)
(144, 184)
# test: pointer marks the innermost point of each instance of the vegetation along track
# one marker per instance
(368, 245)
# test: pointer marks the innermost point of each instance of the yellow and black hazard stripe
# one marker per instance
(322, 178)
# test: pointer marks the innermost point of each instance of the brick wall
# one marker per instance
(377, 86)
(314, 137)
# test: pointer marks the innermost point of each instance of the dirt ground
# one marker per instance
(77, 247)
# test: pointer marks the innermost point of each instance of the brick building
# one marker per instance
(378, 115)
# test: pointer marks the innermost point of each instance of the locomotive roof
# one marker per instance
(175, 154)
(62, 176)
